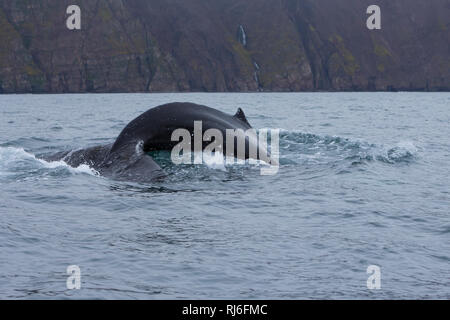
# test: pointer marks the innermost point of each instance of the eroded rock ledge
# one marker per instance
(223, 45)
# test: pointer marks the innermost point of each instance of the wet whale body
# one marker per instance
(127, 158)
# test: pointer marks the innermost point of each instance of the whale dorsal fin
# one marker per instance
(241, 116)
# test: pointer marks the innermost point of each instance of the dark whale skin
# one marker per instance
(127, 158)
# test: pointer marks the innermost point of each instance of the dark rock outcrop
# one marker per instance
(223, 45)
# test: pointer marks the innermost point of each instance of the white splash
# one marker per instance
(214, 161)
(11, 157)
(402, 150)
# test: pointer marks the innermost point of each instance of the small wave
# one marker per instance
(402, 152)
(300, 148)
(17, 159)
(210, 160)
(339, 148)
(310, 138)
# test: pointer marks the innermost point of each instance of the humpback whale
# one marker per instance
(127, 158)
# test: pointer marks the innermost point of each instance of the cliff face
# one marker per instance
(223, 45)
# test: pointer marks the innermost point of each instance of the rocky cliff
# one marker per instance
(223, 45)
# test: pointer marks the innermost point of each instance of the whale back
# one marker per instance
(155, 126)
(127, 158)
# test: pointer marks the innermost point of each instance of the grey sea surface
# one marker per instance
(364, 180)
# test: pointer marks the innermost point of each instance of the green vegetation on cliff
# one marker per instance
(193, 45)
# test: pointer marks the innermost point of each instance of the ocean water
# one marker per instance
(364, 180)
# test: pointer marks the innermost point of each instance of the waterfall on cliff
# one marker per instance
(242, 37)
